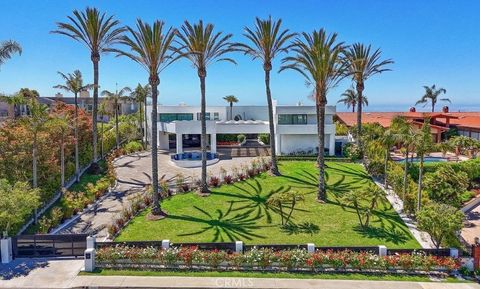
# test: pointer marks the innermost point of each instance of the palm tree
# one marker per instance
(7, 48)
(202, 46)
(231, 99)
(140, 95)
(387, 140)
(74, 84)
(98, 32)
(318, 59)
(102, 111)
(423, 145)
(267, 41)
(61, 124)
(361, 64)
(151, 47)
(350, 98)
(406, 136)
(432, 94)
(115, 98)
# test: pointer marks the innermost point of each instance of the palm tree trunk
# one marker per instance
(353, 108)
(231, 110)
(420, 180)
(274, 168)
(77, 162)
(146, 123)
(359, 116)
(321, 195)
(405, 175)
(117, 134)
(203, 186)
(95, 108)
(140, 121)
(101, 137)
(156, 209)
(385, 184)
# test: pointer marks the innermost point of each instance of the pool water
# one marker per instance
(193, 156)
(425, 159)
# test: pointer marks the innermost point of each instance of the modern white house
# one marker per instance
(295, 125)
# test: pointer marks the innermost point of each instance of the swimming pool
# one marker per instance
(425, 159)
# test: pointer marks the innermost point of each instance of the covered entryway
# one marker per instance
(34, 246)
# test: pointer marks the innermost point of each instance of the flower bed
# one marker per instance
(266, 259)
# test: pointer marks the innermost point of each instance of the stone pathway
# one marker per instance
(133, 174)
(422, 237)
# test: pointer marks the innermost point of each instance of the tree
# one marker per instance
(388, 140)
(115, 98)
(74, 84)
(7, 49)
(151, 47)
(202, 46)
(350, 99)
(268, 40)
(17, 202)
(439, 220)
(60, 123)
(444, 147)
(231, 99)
(364, 201)
(288, 199)
(318, 59)
(446, 186)
(102, 111)
(362, 63)
(432, 94)
(140, 95)
(98, 32)
(423, 145)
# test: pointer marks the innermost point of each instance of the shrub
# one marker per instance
(351, 151)
(133, 146)
(241, 138)
(214, 181)
(446, 186)
(44, 225)
(57, 216)
(227, 179)
(265, 138)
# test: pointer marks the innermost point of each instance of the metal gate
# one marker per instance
(33, 246)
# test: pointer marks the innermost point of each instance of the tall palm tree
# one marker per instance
(74, 84)
(362, 63)
(423, 146)
(7, 49)
(140, 95)
(115, 98)
(432, 94)
(202, 46)
(268, 40)
(98, 32)
(151, 47)
(231, 99)
(350, 99)
(406, 136)
(318, 58)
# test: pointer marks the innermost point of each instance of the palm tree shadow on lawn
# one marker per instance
(390, 234)
(226, 226)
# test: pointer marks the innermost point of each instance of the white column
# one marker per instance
(163, 140)
(89, 260)
(311, 248)
(90, 242)
(382, 250)
(179, 143)
(165, 244)
(331, 146)
(213, 142)
(7, 251)
(238, 246)
(278, 143)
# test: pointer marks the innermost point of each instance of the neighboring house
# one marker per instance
(295, 126)
(466, 123)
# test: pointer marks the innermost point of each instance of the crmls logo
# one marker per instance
(234, 282)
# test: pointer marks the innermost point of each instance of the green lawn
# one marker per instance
(335, 276)
(239, 212)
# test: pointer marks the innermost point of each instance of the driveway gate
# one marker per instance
(34, 246)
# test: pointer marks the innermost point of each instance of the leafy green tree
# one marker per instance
(202, 46)
(17, 202)
(151, 47)
(140, 95)
(74, 84)
(444, 147)
(439, 220)
(445, 185)
(61, 124)
(231, 99)
(462, 143)
(431, 95)
(318, 58)
(423, 145)
(350, 99)
(267, 40)
(98, 32)
(362, 63)
(115, 99)
(388, 140)
(7, 49)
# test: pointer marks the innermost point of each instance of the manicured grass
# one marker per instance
(240, 212)
(334, 276)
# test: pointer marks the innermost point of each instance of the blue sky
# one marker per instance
(430, 42)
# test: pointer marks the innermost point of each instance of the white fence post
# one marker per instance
(90, 260)
(311, 248)
(239, 247)
(382, 250)
(165, 244)
(454, 252)
(7, 251)
(91, 242)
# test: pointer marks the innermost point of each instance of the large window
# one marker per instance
(207, 116)
(292, 119)
(169, 117)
